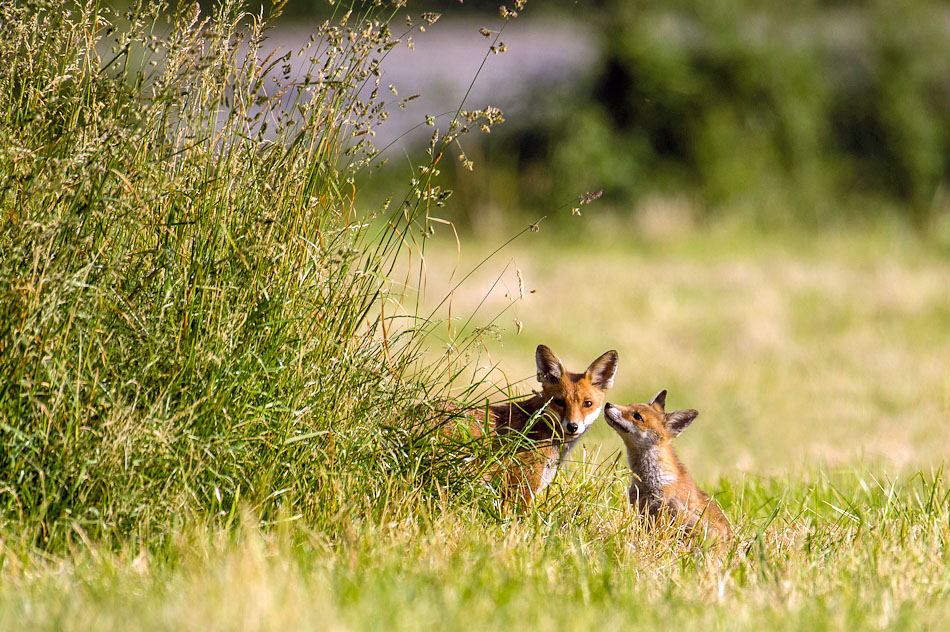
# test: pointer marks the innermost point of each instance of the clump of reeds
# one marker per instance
(191, 311)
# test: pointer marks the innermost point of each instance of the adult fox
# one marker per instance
(546, 425)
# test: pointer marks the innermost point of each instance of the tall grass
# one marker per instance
(192, 315)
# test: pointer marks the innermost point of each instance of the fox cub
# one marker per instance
(660, 482)
(568, 404)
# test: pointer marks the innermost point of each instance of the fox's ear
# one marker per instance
(550, 368)
(602, 370)
(659, 401)
(679, 420)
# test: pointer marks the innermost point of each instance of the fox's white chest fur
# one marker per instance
(554, 463)
(649, 478)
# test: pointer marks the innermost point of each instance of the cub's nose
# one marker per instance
(571, 427)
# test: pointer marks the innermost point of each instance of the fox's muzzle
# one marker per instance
(612, 415)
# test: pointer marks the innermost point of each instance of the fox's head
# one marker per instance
(642, 426)
(576, 398)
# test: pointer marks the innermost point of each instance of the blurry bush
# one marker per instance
(797, 112)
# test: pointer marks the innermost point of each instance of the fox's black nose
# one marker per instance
(572, 427)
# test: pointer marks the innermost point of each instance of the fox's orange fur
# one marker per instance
(568, 404)
(661, 485)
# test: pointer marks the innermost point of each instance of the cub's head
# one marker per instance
(575, 398)
(642, 426)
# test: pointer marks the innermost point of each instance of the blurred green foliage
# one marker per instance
(799, 112)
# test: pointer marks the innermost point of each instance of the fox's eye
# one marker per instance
(559, 402)
(588, 403)
(637, 417)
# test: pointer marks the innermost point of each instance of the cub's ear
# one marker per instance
(659, 401)
(679, 420)
(601, 371)
(550, 368)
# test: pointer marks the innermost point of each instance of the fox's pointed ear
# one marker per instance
(601, 371)
(550, 368)
(659, 401)
(679, 420)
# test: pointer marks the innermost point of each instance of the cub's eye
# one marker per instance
(588, 403)
(637, 417)
(558, 402)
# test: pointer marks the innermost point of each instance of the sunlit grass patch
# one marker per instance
(797, 349)
(844, 550)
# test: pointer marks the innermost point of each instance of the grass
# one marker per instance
(831, 535)
(842, 552)
(208, 364)
(797, 349)
(191, 305)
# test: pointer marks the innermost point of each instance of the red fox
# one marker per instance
(660, 482)
(549, 422)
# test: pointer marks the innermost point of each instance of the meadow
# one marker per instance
(211, 351)
(798, 349)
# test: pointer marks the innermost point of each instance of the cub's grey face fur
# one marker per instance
(633, 424)
(645, 425)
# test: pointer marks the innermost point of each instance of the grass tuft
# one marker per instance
(193, 314)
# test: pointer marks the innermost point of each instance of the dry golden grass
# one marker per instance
(797, 350)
